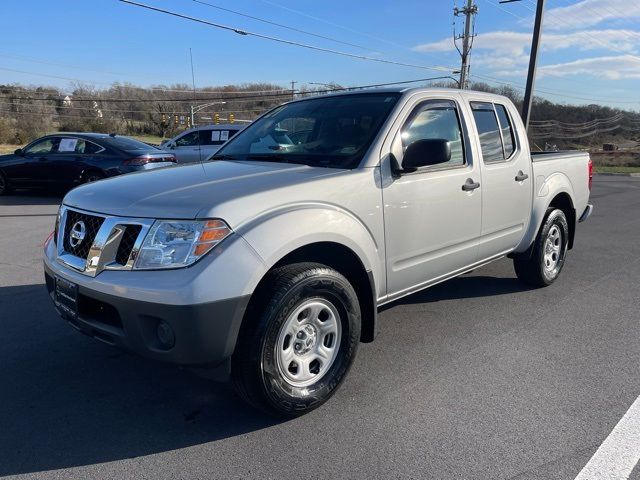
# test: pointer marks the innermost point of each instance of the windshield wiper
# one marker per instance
(275, 158)
(223, 156)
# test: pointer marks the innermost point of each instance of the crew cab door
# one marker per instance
(431, 223)
(71, 159)
(34, 166)
(506, 178)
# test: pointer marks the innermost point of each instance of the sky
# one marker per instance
(590, 48)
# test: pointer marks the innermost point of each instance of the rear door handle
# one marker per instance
(521, 177)
(42, 159)
(470, 185)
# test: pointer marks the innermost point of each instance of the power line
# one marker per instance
(557, 93)
(349, 29)
(116, 85)
(333, 24)
(86, 113)
(269, 22)
(586, 34)
(284, 93)
(57, 64)
(285, 41)
(162, 100)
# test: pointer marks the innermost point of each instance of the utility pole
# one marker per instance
(533, 61)
(469, 11)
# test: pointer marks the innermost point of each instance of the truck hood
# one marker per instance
(192, 191)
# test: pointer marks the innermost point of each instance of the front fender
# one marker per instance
(277, 233)
(546, 189)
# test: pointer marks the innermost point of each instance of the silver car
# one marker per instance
(199, 143)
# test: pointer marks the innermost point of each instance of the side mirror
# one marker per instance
(19, 152)
(424, 153)
(170, 145)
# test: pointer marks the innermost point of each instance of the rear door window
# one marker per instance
(508, 136)
(78, 145)
(216, 136)
(90, 148)
(489, 132)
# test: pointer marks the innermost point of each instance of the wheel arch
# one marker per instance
(344, 260)
(563, 202)
(554, 191)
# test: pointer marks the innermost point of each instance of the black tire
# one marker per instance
(535, 268)
(255, 372)
(5, 187)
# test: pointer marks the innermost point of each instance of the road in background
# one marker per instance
(478, 377)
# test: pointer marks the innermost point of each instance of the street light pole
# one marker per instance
(196, 108)
(193, 83)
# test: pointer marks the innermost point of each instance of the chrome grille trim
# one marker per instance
(102, 253)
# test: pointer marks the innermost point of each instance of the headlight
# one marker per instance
(178, 243)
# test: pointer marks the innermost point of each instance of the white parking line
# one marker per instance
(619, 453)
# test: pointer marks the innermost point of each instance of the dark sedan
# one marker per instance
(65, 160)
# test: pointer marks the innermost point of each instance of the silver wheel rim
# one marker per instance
(552, 249)
(308, 342)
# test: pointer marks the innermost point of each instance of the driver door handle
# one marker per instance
(470, 185)
(521, 177)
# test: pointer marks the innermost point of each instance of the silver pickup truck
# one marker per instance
(268, 263)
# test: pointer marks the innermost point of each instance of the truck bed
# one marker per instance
(560, 155)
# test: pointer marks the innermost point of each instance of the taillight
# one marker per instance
(590, 169)
(138, 161)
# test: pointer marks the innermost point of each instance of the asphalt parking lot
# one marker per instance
(478, 377)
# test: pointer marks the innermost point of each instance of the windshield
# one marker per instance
(332, 132)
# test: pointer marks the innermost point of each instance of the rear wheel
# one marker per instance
(541, 264)
(298, 340)
(4, 184)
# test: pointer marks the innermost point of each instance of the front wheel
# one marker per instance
(298, 340)
(541, 264)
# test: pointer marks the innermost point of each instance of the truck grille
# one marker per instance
(91, 226)
(127, 243)
(92, 243)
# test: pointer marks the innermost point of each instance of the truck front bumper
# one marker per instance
(193, 335)
(189, 316)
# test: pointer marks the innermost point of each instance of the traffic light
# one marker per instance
(216, 118)
(164, 119)
(175, 119)
(232, 118)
